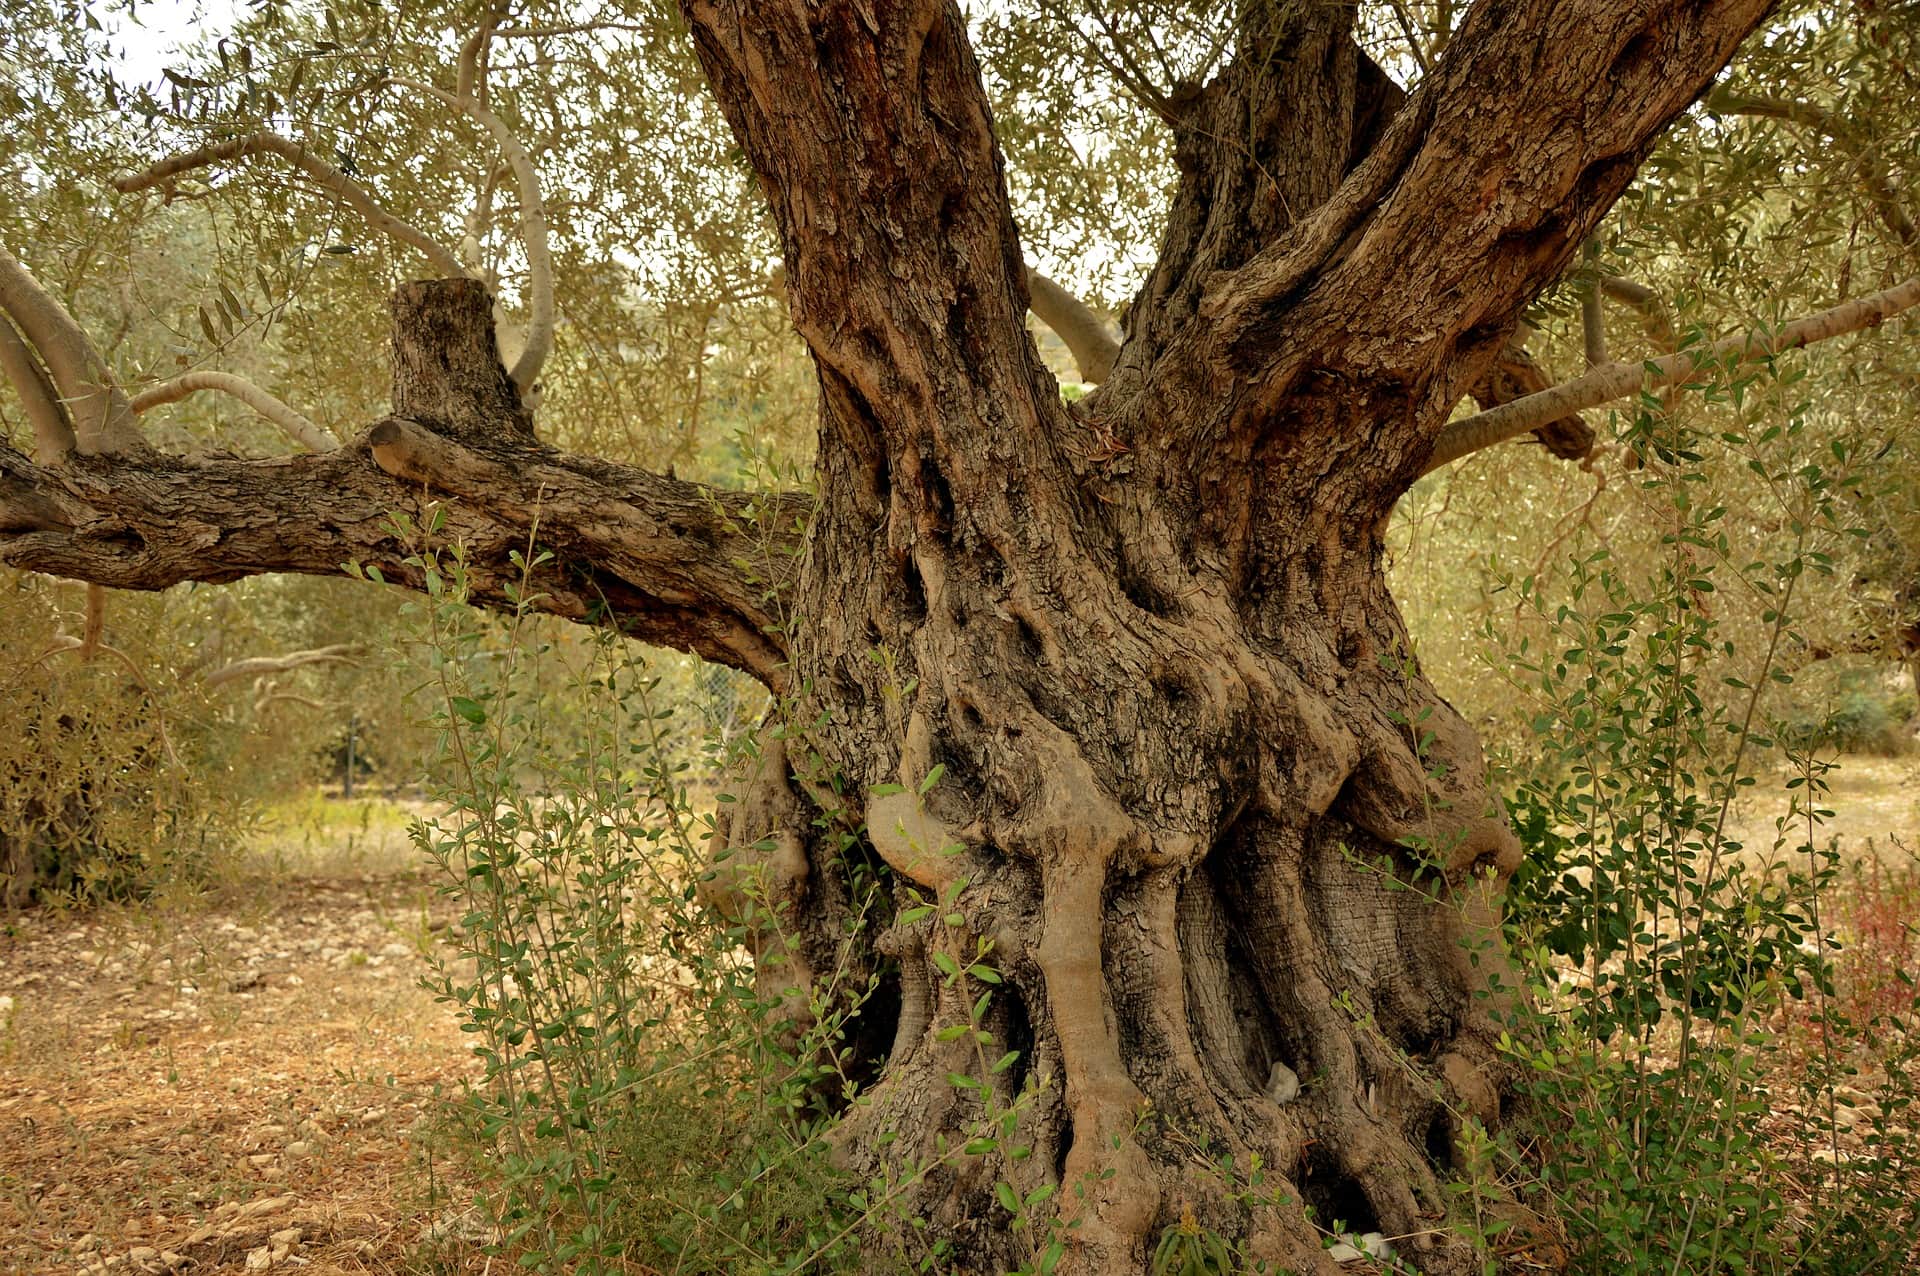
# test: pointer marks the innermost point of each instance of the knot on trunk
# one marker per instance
(447, 371)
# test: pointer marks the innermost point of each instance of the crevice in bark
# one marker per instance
(1336, 1197)
(913, 593)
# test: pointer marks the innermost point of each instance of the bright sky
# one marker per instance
(147, 41)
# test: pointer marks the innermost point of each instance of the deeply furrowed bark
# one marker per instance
(1194, 800)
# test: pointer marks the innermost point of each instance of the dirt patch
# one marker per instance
(249, 1087)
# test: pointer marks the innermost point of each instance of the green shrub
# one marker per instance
(1865, 718)
(1686, 987)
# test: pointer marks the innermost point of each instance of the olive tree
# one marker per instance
(1116, 680)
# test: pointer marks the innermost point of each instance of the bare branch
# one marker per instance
(67, 642)
(308, 434)
(264, 702)
(1085, 333)
(95, 626)
(52, 431)
(470, 79)
(1654, 317)
(1616, 380)
(102, 422)
(260, 666)
(1413, 41)
(563, 28)
(1111, 54)
(1593, 325)
(534, 231)
(324, 175)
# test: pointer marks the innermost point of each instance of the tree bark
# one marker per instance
(1194, 799)
(671, 562)
(1118, 684)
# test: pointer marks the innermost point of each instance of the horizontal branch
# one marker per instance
(308, 434)
(1514, 375)
(324, 175)
(1617, 380)
(665, 561)
(261, 666)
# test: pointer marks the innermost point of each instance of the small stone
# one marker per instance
(288, 1236)
(265, 1205)
(1376, 1245)
(173, 1262)
(299, 1149)
(1339, 1252)
(1283, 1083)
(258, 1260)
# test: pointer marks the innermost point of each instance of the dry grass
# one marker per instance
(202, 1086)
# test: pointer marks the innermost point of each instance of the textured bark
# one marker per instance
(1212, 823)
(1188, 774)
(672, 562)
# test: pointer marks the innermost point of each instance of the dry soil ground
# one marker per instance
(237, 1083)
(246, 1081)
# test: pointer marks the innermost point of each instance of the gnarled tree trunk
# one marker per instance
(1232, 854)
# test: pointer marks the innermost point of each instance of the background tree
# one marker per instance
(1118, 681)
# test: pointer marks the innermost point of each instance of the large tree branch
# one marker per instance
(1257, 149)
(323, 174)
(669, 562)
(1500, 164)
(1617, 380)
(870, 131)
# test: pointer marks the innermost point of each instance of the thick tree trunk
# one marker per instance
(1214, 839)
(1209, 856)
(1233, 856)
